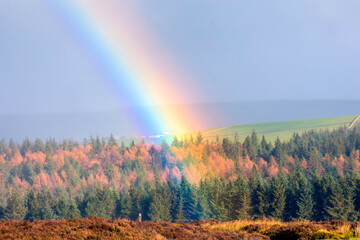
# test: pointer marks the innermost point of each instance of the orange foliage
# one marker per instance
(180, 153)
(273, 167)
(262, 166)
(304, 163)
(2, 159)
(176, 173)
(286, 169)
(221, 166)
(132, 177)
(21, 185)
(16, 159)
(149, 176)
(291, 160)
(42, 179)
(129, 155)
(165, 175)
(246, 166)
(338, 163)
(56, 181)
(37, 157)
(101, 178)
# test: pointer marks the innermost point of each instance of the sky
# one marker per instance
(228, 51)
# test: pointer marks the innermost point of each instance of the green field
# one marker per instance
(283, 130)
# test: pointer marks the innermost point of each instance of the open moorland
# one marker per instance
(100, 228)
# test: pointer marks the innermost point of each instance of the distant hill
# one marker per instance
(284, 129)
(83, 125)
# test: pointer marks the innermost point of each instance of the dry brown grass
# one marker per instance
(99, 228)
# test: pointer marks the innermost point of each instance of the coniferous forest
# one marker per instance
(313, 176)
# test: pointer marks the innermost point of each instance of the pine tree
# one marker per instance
(126, 206)
(62, 208)
(15, 209)
(189, 203)
(199, 139)
(203, 205)
(160, 205)
(112, 141)
(31, 205)
(102, 204)
(260, 198)
(242, 199)
(341, 202)
(73, 211)
(321, 193)
(217, 198)
(2, 209)
(278, 198)
(46, 206)
(304, 199)
(180, 215)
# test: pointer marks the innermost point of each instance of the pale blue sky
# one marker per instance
(236, 50)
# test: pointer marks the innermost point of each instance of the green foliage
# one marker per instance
(340, 205)
(15, 209)
(31, 205)
(160, 206)
(101, 204)
(241, 200)
(278, 198)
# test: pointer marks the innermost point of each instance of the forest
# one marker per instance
(313, 176)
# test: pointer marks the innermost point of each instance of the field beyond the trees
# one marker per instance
(101, 228)
(284, 130)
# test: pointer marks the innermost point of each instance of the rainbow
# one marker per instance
(133, 63)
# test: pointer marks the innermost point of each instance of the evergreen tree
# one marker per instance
(304, 199)
(102, 204)
(2, 209)
(176, 142)
(66, 209)
(46, 206)
(73, 211)
(203, 206)
(112, 141)
(215, 190)
(199, 139)
(340, 205)
(278, 198)
(180, 215)
(126, 206)
(242, 199)
(15, 209)
(161, 204)
(260, 198)
(31, 205)
(189, 203)
(250, 149)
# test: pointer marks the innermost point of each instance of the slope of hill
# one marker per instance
(284, 130)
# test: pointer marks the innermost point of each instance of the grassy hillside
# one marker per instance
(284, 130)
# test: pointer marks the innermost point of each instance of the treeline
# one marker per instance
(84, 176)
(286, 198)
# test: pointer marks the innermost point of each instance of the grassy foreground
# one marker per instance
(284, 130)
(99, 228)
